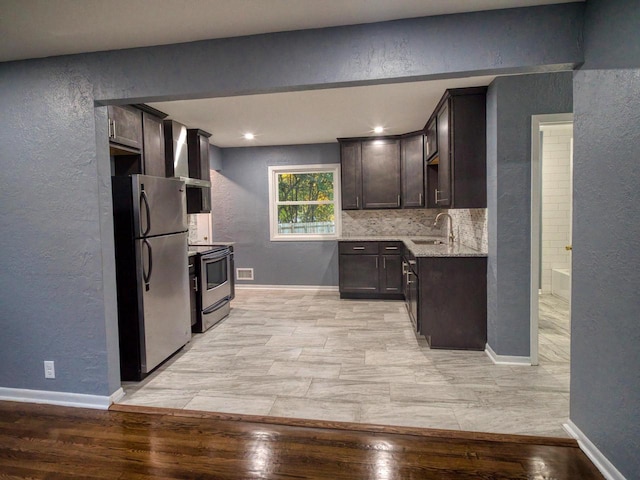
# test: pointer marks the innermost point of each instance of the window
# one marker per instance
(304, 202)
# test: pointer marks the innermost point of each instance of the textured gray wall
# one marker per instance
(538, 39)
(512, 100)
(241, 214)
(215, 158)
(605, 326)
(57, 289)
(55, 221)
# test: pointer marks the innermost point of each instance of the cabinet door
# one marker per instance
(153, 132)
(198, 148)
(204, 158)
(443, 192)
(446, 321)
(390, 273)
(431, 139)
(411, 156)
(125, 126)
(381, 173)
(468, 151)
(358, 273)
(351, 175)
(198, 199)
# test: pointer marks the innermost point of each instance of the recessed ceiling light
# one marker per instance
(378, 130)
(249, 136)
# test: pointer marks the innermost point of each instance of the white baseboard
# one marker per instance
(608, 470)
(309, 288)
(506, 359)
(66, 399)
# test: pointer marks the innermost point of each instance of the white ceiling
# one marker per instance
(41, 28)
(315, 116)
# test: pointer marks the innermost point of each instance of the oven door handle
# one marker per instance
(216, 306)
(216, 255)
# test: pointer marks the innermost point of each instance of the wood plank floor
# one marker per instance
(43, 441)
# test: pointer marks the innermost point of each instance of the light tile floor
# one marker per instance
(314, 356)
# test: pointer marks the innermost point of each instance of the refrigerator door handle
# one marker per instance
(144, 199)
(147, 275)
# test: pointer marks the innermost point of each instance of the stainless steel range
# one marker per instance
(215, 284)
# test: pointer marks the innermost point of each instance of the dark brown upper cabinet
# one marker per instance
(370, 173)
(153, 143)
(125, 127)
(351, 174)
(381, 173)
(136, 140)
(456, 172)
(430, 139)
(198, 147)
(412, 168)
(198, 198)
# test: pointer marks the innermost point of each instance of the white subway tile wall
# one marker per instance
(556, 200)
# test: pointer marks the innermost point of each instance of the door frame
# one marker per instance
(536, 228)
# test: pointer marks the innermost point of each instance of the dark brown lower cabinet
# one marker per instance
(453, 302)
(370, 270)
(358, 273)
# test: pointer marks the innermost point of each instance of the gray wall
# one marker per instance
(57, 288)
(240, 195)
(215, 158)
(605, 328)
(511, 102)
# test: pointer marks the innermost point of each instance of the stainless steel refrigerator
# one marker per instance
(150, 229)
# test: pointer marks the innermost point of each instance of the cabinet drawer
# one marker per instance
(390, 248)
(358, 248)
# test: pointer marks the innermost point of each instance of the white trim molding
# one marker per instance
(66, 399)
(536, 210)
(506, 359)
(608, 470)
(308, 288)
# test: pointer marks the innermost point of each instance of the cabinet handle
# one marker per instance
(376, 262)
(384, 262)
(398, 200)
(113, 133)
(390, 248)
(420, 199)
(110, 129)
(436, 195)
(358, 248)
(195, 284)
(357, 202)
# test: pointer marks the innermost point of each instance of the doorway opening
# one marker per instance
(551, 244)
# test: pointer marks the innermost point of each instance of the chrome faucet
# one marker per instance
(452, 237)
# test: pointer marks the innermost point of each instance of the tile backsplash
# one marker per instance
(469, 225)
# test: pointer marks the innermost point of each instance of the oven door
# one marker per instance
(214, 277)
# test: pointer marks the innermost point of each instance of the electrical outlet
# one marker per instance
(49, 369)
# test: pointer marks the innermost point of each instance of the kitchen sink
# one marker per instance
(428, 242)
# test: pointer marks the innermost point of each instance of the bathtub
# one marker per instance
(561, 283)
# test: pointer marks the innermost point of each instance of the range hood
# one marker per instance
(177, 156)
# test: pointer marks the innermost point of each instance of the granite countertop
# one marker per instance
(446, 250)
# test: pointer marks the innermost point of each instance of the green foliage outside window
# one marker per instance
(302, 188)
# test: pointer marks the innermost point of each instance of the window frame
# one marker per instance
(274, 171)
